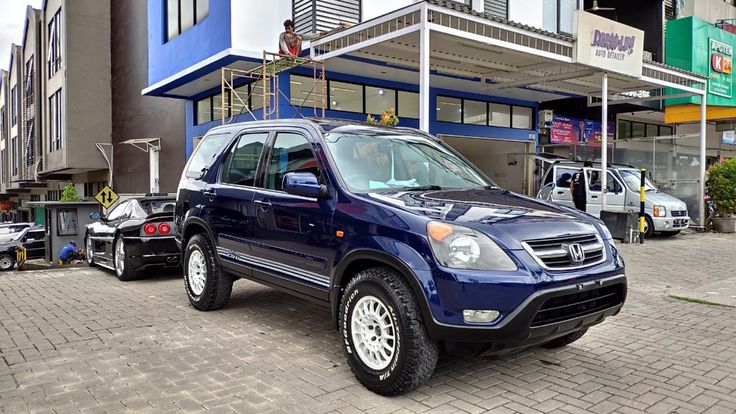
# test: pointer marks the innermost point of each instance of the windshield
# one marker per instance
(632, 178)
(374, 162)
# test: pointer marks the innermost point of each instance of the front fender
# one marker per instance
(392, 253)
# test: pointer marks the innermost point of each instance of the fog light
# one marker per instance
(480, 316)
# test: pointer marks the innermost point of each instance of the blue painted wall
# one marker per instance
(206, 38)
(435, 127)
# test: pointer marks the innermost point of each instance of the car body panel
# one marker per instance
(307, 246)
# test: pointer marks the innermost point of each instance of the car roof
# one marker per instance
(17, 224)
(321, 124)
(570, 163)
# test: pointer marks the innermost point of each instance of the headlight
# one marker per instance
(459, 247)
(659, 211)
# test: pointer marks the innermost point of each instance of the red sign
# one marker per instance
(6, 205)
(721, 64)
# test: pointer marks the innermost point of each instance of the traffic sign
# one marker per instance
(106, 197)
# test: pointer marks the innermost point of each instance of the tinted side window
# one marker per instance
(35, 235)
(204, 154)
(563, 176)
(241, 165)
(291, 153)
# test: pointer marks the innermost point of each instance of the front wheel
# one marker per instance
(89, 251)
(207, 285)
(7, 262)
(384, 338)
(648, 227)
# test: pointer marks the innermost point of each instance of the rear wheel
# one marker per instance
(123, 267)
(565, 339)
(7, 262)
(384, 338)
(208, 286)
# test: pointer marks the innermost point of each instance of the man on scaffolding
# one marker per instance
(290, 43)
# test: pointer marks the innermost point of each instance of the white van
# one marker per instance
(664, 213)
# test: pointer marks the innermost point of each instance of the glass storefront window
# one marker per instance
(475, 113)
(522, 117)
(638, 130)
(346, 97)
(408, 104)
(449, 109)
(378, 100)
(499, 115)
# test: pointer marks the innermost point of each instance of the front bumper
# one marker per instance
(670, 223)
(577, 306)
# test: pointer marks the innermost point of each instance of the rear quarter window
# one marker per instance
(205, 154)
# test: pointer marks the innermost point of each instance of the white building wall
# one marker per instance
(529, 12)
(256, 25)
(375, 8)
(708, 10)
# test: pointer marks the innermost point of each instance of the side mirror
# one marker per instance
(95, 215)
(303, 184)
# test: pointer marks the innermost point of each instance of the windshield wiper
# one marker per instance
(421, 188)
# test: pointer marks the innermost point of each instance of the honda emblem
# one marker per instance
(576, 252)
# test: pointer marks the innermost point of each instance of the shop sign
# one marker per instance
(608, 45)
(6, 205)
(720, 68)
(569, 130)
(729, 137)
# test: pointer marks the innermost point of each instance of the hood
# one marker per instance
(664, 199)
(511, 218)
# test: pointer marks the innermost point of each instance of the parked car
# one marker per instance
(410, 246)
(137, 234)
(665, 214)
(32, 238)
(9, 230)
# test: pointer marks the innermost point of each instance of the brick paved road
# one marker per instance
(80, 340)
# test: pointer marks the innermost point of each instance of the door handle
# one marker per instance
(263, 204)
(561, 192)
(593, 196)
(210, 194)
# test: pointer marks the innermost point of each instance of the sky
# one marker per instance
(12, 20)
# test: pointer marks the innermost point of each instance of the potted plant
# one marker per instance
(721, 186)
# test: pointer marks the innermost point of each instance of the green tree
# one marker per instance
(721, 187)
(70, 193)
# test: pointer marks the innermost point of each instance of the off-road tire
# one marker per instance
(11, 260)
(565, 340)
(415, 355)
(218, 285)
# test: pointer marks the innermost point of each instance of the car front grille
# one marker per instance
(556, 254)
(575, 305)
(679, 213)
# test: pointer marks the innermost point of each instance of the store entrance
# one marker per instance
(499, 159)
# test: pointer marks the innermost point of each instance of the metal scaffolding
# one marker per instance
(235, 100)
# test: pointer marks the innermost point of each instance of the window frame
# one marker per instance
(258, 176)
(268, 152)
(195, 18)
(55, 31)
(56, 121)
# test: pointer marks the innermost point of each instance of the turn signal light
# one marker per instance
(150, 229)
(164, 228)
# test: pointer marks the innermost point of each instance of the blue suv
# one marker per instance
(413, 249)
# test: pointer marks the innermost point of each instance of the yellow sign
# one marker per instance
(106, 197)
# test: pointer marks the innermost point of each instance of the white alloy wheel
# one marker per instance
(197, 272)
(373, 332)
(89, 251)
(119, 256)
(6, 263)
